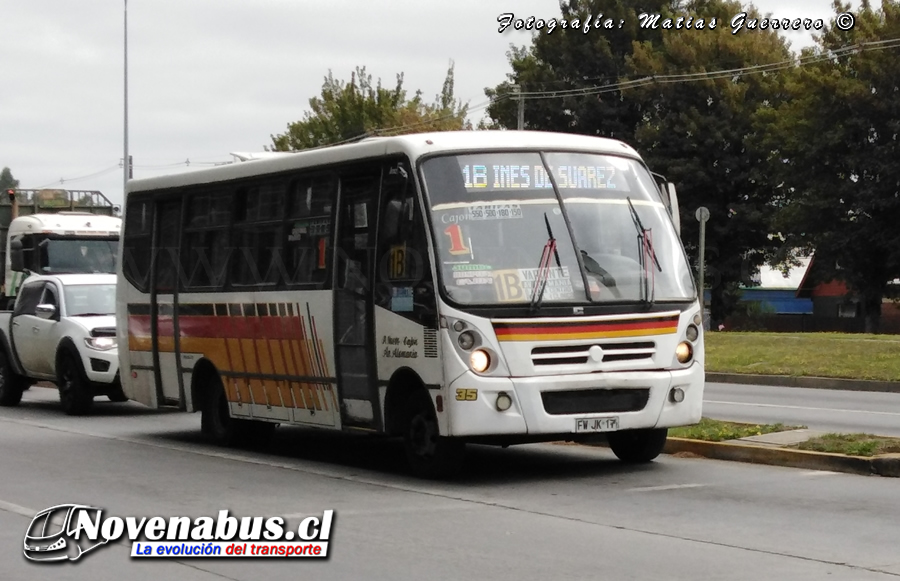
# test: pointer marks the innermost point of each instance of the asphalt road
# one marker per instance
(533, 512)
(818, 409)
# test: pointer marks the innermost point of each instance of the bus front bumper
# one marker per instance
(530, 397)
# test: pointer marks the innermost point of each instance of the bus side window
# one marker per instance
(205, 249)
(257, 234)
(404, 269)
(137, 239)
(308, 230)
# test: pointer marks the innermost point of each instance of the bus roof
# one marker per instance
(414, 145)
(83, 223)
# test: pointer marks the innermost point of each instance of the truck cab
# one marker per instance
(62, 330)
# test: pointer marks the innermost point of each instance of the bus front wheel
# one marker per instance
(429, 454)
(638, 446)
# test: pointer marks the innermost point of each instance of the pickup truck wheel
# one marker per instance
(74, 390)
(11, 383)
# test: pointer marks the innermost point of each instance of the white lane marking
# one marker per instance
(384, 511)
(798, 407)
(17, 509)
(664, 487)
(819, 473)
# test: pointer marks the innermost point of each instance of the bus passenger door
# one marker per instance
(353, 329)
(163, 292)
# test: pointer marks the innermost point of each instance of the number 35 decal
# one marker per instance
(466, 394)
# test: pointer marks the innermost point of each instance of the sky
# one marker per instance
(211, 77)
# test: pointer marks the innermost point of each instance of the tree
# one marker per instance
(701, 135)
(357, 108)
(7, 181)
(570, 59)
(835, 143)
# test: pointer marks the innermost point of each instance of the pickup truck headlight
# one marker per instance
(100, 343)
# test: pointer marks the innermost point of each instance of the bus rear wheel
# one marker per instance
(429, 454)
(218, 425)
(638, 446)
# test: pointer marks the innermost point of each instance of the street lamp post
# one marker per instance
(126, 161)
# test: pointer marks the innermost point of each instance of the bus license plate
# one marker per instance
(607, 424)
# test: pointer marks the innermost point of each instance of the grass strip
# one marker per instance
(851, 444)
(836, 355)
(718, 431)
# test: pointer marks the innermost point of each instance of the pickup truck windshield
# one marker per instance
(491, 213)
(90, 299)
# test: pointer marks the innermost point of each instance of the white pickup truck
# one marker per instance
(62, 329)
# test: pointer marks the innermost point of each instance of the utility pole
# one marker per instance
(126, 159)
(521, 99)
(702, 216)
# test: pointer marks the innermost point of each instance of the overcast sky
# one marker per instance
(209, 77)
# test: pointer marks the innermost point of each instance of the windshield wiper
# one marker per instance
(645, 250)
(543, 273)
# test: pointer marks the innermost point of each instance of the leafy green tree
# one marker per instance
(700, 134)
(7, 180)
(350, 110)
(836, 144)
(569, 59)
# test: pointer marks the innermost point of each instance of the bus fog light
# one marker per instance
(459, 326)
(480, 360)
(504, 402)
(466, 340)
(676, 395)
(684, 352)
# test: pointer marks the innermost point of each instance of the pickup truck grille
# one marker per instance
(104, 332)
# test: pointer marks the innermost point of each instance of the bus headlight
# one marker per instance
(100, 343)
(684, 352)
(480, 360)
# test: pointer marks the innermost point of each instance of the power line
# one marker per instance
(803, 60)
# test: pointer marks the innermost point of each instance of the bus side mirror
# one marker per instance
(673, 207)
(16, 256)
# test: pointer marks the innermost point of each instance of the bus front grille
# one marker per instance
(582, 354)
(595, 401)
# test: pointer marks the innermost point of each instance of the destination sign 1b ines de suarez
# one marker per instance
(531, 177)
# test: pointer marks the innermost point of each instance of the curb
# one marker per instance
(809, 382)
(885, 465)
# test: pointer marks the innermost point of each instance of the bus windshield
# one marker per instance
(78, 255)
(504, 224)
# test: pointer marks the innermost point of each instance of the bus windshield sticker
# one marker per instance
(494, 212)
(402, 299)
(473, 274)
(360, 216)
(516, 285)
